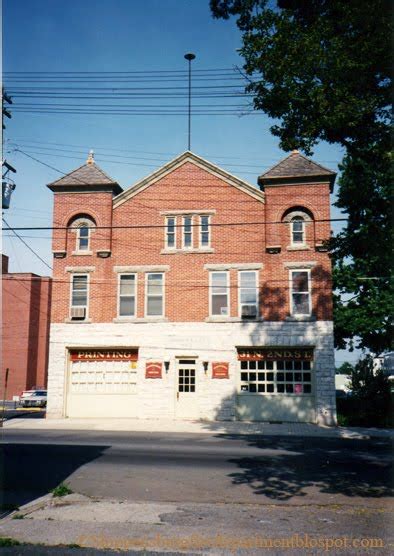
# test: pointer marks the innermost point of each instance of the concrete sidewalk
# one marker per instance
(199, 427)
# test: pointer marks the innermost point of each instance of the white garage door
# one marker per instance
(102, 388)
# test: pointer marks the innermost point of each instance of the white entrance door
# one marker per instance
(186, 406)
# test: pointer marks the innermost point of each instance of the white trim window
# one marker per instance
(154, 294)
(127, 298)
(83, 237)
(298, 231)
(247, 294)
(205, 232)
(300, 292)
(187, 239)
(170, 232)
(79, 296)
(220, 294)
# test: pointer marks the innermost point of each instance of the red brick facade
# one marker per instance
(26, 300)
(190, 186)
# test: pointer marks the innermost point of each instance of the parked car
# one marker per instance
(33, 398)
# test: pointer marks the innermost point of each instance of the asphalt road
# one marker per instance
(196, 468)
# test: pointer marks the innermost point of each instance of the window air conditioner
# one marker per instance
(249, 311)
(78, 312)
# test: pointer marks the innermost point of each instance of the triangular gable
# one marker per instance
(177, 162)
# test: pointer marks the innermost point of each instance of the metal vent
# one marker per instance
(78, 312)
(249, 311)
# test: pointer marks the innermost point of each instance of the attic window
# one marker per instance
(298, 218)
(82, 226)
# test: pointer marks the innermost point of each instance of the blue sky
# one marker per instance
(115, 36)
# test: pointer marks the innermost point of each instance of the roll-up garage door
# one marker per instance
(276, 384)
(102, 383)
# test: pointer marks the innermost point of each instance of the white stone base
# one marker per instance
(216, 399)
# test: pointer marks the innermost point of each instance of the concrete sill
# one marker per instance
(72, 321)
(301, 318)
(120, 320)
(232, 319)
(298, 248)
(82, 253)
(186, 251)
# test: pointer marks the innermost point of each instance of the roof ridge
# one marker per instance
(316, 163)
(279, 162)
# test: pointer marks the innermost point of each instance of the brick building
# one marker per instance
(26, 305)
(193, 294)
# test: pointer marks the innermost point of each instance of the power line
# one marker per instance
(26, 244)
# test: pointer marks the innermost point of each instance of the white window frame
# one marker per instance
(135, 294)
(186, 248)
(308, 271)
(297, 219)
(72, 275)
(200, 232)
(83, 225)
(166, 233)
(226, 272)
(256, 273)
(162, 295)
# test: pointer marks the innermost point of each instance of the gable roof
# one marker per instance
(295, 167)
(86, 178)
(188, 156)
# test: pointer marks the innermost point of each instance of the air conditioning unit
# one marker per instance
(78, 313)
(249, 311)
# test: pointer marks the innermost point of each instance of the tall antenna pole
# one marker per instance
(189, 57)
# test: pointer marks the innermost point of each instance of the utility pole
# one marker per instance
(7, 184)
(189, 57)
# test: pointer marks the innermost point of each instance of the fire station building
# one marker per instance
(193, 294)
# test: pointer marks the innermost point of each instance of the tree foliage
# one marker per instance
(322, 68)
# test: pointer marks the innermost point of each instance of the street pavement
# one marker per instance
(136, 487)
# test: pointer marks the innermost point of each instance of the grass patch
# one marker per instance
(7, 541)
(18, 516)
(61, 490)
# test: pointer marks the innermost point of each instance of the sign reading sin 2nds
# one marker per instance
(104, 355)
(271, 354)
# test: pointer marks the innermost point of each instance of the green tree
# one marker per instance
(345, 369)
(322, 68)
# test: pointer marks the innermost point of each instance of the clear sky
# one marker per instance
(123, 36)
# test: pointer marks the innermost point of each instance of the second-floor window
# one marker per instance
(127, 295)
(154, 304)
(83, 238)
(205, 239)
(79, 296)
(300, 295)
(248, 294)
(187, 232)
(220, 294)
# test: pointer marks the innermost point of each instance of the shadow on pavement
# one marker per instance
(28, 471)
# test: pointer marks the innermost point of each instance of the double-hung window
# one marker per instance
(300, 287)
(220, 294)
(205, 239)
(297, 231)
(154, 294)
(187, 232)
(127, 295)
(79, 296)
(171, 232)
(248, 294)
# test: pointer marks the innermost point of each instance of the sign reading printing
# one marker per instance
(220, 370)
(104, 355)
(153, 370)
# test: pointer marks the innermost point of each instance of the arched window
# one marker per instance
(82, 226)
(298, 219)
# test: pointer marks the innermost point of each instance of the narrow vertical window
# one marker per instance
(187, 232)
(220, 297)
(248, 298)
(300, 292)
(127, 295)
(79, 296)
(155, 295)
(205, 239)
(83, 238)
(170, 232)
(297, 230)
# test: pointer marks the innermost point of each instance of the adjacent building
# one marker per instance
(193, 294)
(26, 305)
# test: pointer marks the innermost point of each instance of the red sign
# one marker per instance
(153, 370)
(104, 355)
(220, 370)
(275, 354)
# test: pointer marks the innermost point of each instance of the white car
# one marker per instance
(33, 398)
